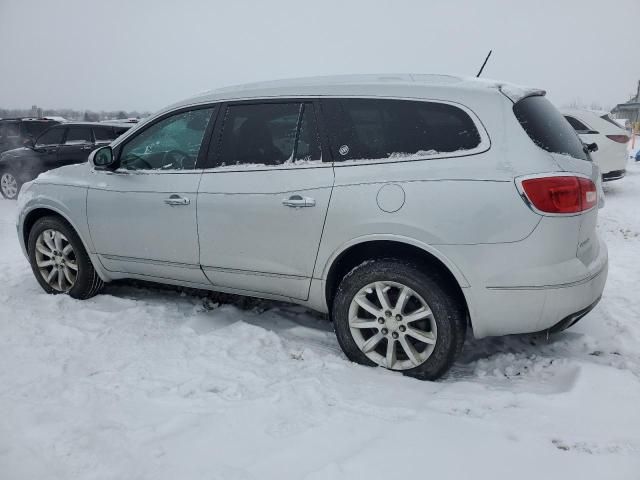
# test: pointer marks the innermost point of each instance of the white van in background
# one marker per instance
(611, 139)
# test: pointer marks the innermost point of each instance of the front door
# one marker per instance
(77, 145)
(46, 151)
(261, 209)
(142, 216)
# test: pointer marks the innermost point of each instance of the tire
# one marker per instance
(441, 327)
(71, 259)
(9, 185)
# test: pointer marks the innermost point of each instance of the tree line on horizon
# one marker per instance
(71, 114)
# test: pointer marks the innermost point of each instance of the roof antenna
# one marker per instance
(485, 62)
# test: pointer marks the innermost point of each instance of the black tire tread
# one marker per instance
(439, 295)
(88, 283)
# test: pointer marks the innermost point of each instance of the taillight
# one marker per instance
(618, 138)
(561, 194)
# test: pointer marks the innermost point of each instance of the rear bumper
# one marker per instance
(613, 175)
(521, 308)
(571, 320)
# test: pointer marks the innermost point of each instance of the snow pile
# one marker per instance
(146, 383)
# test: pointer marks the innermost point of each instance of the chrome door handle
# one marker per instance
(177, 200)
(87, 147)
(298, 201)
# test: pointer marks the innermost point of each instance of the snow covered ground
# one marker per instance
(146, 383)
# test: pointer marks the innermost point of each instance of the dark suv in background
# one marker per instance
(15, 131)
(62, 144)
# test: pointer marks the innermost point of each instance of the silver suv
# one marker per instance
(409, 208)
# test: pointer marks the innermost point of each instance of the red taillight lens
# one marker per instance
(618, 138)
(561, 194)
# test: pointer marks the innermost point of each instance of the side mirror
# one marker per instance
(592, 147)
(102, 158)
(29, 143)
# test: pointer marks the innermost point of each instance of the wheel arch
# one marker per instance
(357, 252)
(40, 212)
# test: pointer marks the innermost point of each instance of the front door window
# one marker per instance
(170, 144)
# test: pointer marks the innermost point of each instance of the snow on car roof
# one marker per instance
(399, 85)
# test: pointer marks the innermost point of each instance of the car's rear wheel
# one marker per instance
(9, 185)
(59, 261)
(392, 314)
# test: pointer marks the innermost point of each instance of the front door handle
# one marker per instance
(298, 201)
(177, 200)
(87, 147)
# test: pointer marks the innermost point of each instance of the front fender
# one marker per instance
(70, 202)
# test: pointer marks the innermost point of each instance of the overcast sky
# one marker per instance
(145, 54)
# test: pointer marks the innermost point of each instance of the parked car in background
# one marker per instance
(62, 144)
(611, 155)
(15, 131)
(409, 208)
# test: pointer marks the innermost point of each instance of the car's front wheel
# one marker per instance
(392, 314)
(9, 185)
(59, 260)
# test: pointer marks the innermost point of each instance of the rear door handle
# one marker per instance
(177, 200)
(298, 201)
(87, 147)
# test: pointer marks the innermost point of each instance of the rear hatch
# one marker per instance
(549, 130)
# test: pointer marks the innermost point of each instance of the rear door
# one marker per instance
(77, 145)
(10, 137)
(262, 205)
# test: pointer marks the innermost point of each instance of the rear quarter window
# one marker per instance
(547, 128)
(362, 129)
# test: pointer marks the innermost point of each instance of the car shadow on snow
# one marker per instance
(492, 359)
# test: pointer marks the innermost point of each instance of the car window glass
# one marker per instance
(119, 131)
(53, 136)
(33, 129)
(77, 135)
(259, 134)
(608, 118)
(308, 146)
(103, 134)
(381, 129)
(170, 144)
(577, 124)
(547, 128)
(11, 129)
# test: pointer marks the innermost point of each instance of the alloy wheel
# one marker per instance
(56, 260)
(9, 185)
(392, 325)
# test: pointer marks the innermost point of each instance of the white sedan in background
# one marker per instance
(612, 154)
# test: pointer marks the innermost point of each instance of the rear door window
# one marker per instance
(547, 128)
(268, 134)
(11, 129)
(77, 135)
(382, 128)
(103, 134)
